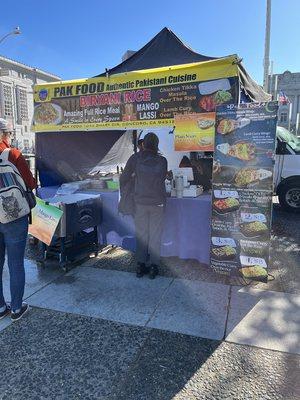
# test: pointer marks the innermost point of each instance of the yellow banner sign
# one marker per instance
(136, 99)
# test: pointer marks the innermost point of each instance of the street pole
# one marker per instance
(16, 31)
(267, 47)
(272, 80)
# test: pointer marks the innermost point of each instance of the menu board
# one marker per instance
(242, 189)
(194, 132)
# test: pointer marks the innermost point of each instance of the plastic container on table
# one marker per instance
(113, 185)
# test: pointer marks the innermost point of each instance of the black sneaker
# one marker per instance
(16, 316)
(141, 270)
(153, 271)
(4, 313)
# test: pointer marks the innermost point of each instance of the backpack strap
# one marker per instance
(4, 155)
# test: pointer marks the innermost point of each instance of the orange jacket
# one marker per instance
(16, 158)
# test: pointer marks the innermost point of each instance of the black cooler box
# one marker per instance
(77, 231)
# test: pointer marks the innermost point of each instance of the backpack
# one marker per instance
(13, 203)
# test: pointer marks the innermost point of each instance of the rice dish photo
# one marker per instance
(223, 206)
(254, 229)
(254, 271)
(47, 114)
(223, 253)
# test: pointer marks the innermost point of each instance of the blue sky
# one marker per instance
(80, 38)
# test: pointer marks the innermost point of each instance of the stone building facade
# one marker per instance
(16, 99)
(288, 84)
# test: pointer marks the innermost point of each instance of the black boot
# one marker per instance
(141, 270)
(153, 271)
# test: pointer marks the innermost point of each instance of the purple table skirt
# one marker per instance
(186, 229)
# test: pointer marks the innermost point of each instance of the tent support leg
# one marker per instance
(134, 139)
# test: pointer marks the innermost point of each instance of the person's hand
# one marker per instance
(170, 175)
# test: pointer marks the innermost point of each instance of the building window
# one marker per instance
(21, 75)
(283, 117)
(22, 105)
(7, 100)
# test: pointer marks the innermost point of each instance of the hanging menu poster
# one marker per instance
(194, 132)
(242, 189)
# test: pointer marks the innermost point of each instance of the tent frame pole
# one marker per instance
(134, 140)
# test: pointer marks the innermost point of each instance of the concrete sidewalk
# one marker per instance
(254, 317)
(137, 339)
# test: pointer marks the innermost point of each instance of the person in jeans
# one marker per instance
(13, 237)
(150, 171)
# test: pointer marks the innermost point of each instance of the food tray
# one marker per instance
(253, 234)
(224, 211)
(258, 277)
(112, 185)
(222, 257)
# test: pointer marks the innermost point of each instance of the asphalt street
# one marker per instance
(53, 355)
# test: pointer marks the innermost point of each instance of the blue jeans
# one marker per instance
(13, 238)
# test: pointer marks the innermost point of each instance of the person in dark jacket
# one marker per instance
(150, 170)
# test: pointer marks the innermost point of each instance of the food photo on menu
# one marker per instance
(206, 125)
(254, 225)
(225, 201)
(244, 152)
(223, 253)
(225, 126)
(253, 268)
(214, 93)
(48, 114)
(225, 225)
(242, 178)
(224, 249)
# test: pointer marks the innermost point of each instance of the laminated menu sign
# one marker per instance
(242, 189)
(194, 132)
(45, 219)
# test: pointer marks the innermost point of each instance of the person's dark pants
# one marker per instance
(148, 226)
(13, 239)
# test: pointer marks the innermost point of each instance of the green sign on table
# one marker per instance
(45, 219)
